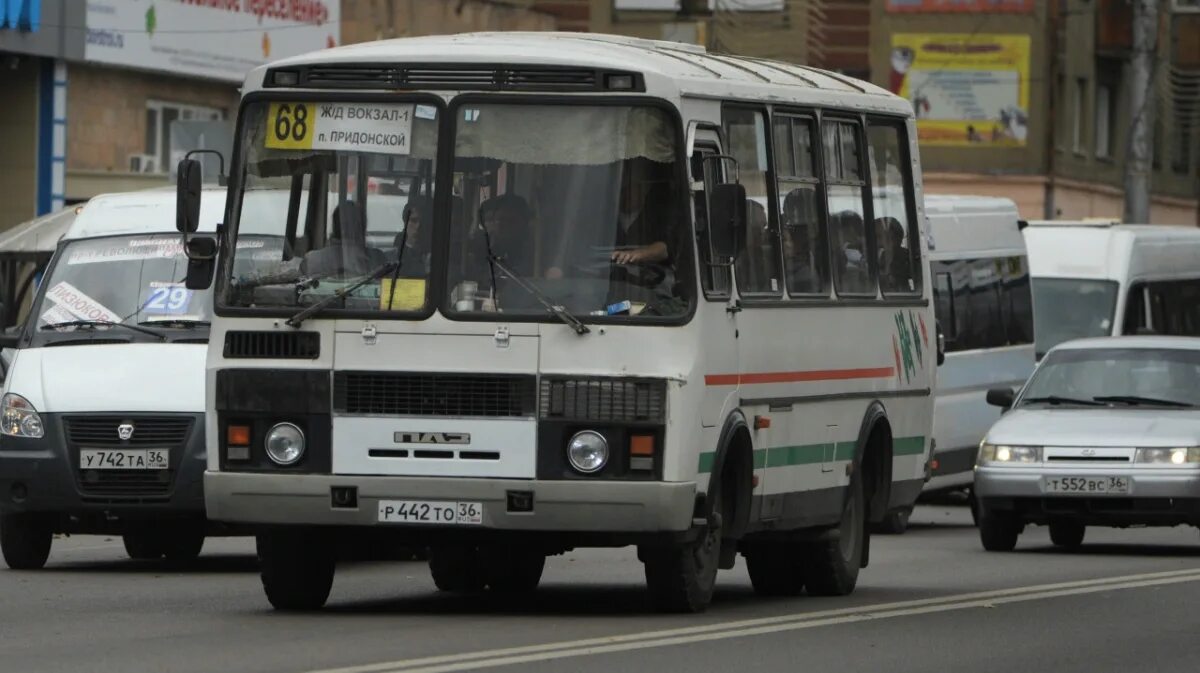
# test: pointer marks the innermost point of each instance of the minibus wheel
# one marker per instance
(681, 577)
(25, 540)
(143, 545)
(776, 568)
(183, 545)
(831, 566)
(297, 568)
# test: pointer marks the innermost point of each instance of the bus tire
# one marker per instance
(681, 577)
(998, 532)
(776, 568)
(297, 569)
(831, 566)
(1067, 534)
(143, 545)
(894, 523)
(510, 571)
(456, 568)
(25, 541)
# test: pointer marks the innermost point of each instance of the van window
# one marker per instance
(758, 265)
(983, 303)
(805, 256)
(895, 238)
(1072, 308)
(847, 214)
(1173, 308)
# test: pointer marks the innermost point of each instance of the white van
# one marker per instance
(1101, 278)
(982, 299)
(102, 427)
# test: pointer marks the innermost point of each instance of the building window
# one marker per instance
(1077, 116)
(1102, 128)
(159, 115)
(1061, 120)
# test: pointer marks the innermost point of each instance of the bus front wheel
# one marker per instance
(297, 569)
(681, 577)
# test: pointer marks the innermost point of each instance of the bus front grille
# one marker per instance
(413, 394)
(617, 400)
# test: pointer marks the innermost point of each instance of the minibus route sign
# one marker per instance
(361, 127)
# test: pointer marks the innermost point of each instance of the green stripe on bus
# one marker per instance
(810, 454)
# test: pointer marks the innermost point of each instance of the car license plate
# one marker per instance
(1086, 485)
(123, 459)
(431, 512)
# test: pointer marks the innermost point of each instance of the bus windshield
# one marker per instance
(1071, 308)
(578, 202)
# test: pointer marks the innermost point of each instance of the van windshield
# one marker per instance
(1071, 308)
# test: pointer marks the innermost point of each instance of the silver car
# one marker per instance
(1106, 432)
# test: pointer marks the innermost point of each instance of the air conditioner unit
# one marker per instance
(143, 163)
(1185, 6)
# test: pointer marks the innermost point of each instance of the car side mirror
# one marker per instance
(188, 185)
(727, 219)
(1001, 397)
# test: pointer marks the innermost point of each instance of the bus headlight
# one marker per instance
(588, 451)
(19, 418)
(1004, 453)
(1187, 457)
(285, 444)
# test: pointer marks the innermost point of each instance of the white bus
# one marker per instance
(583, 335)
(1101, 278)
(983, 303)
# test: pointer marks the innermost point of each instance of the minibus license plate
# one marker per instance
(431, 512)
(1086, 485)
(123, 459)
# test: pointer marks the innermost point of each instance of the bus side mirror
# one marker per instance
(202, 262)
(1001, 397)
(727, 222)
(187, 197)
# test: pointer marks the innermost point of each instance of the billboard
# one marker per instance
(1013, 6)
(218, 39)
(966, 89)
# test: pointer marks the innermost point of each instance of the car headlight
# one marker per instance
(285, 444)
(18, 418)
(1183, 456)
(588, 451)
(1006, 453)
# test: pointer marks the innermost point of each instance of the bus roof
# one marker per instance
(670, 68)
(148, 211)
(1113, 252)
(962, 225)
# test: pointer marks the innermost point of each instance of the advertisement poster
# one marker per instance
(933, 6)
(219, 39)
(966, 89)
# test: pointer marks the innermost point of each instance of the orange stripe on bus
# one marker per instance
(799, 377)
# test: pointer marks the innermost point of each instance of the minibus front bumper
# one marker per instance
(506, 504)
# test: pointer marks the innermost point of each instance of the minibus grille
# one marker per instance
(102, 431)
(97, 432)
(603, 399)
(278, 345)
(411, 394)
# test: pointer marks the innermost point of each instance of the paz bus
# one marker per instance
(637, 294)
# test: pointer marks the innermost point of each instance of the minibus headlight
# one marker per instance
(587, 451)
(285, 444)
(1008, 454)
(1184, 456)
(18, 418)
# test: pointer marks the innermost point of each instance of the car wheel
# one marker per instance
(999, 532)
(1068, 534)
(831, 567)
(297, 569)
(25, 540)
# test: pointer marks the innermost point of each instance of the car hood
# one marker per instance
(1114, 427)
(136, 377)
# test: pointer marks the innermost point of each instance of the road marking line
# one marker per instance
(750, 627)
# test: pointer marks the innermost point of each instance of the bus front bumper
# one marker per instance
(563, 506)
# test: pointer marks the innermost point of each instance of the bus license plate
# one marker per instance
(1086, 485)
(431, 512)
(123, 459)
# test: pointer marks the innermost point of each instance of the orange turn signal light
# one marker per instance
(762, 422)
(641, 445)
(238, 435)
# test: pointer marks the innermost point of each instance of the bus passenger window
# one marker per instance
(805, 257)
(758, 265)
(898, 254)
(847, 225)
(705, 174)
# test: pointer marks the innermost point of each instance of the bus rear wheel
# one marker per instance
(25, 541)
(297, 569)
(831, 566)
(776, 568)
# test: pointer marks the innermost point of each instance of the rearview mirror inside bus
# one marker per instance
(187, 196)
(728, 219)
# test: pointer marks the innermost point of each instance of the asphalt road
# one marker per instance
(931, 600)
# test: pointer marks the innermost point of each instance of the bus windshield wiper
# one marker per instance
(1057, 399)
(177, 322)
(562, 313)
(105, 323)
(1138, 399)
(299, 318)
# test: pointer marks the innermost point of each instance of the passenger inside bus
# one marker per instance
(642, 223)
(895, 265)
(415, 238)
(346, 254)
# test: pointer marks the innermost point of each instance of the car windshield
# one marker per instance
(1071, 308)
(346, 189)
(581, 203)
(135, 280)
(1119, 376)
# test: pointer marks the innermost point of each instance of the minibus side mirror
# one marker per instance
(201, 252)
(1001, 397)
(727, 224)
(187, 197)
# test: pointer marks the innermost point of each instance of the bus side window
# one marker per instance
(705, 174)
(896, 239)
(805, 253)
(757, 266)
(1135, 310)
(845, 185)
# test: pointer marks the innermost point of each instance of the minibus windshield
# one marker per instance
(1071, 308)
